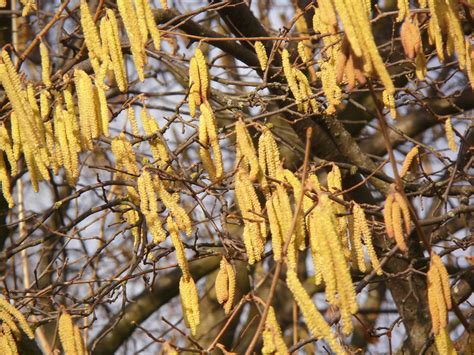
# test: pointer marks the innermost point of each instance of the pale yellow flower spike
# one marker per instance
(387, 214)
(397, 227)
(232, 286)
(104, 111)
(88, 120)
(7, 319)
(115, 51)
(269, 155)
(129, 17)
(190, 303)
(290, 78)
(314, 319)
(158, 146)
(389, 102)
(277, 238)
(142, 26)
(448, 126)
(7, 146)
(194, 98)
(151, 24)
(470, 62)
(444, 277)
(7, 333)
(412, 154)
(5, 180)
(222, 284)
(405, 212)
(203, 74)
(164, 4)
(247, 150)
(79, 341)
(273, 343)
(66, 334)
(8, 308)
(178, 246)
(444, 344)
(91, 35)
(182, 219)
(359, 221)
(261, 55)
(403, 9)
(133, 121)
(207, 116)
(45, 65)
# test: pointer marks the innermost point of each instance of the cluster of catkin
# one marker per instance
(298, 84)
(13, 322)
(150, 189)
(410, 37)
(198, 97)
(397, 218)
(225, 285)
(439, 302)
(70, 336)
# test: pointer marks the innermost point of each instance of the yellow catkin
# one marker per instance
(103, 111)
(129, 17)
(180, 216)
(470, 62)
(232, 286)
(306, 92)
(246, 150)
(78, 340)
(284, 215)
(164, 4)
(444, 277)
(209, 137)
(22, 322)
(405, 212)
(4, 345)
(397, 227)
(403, 9)
(389, 102)
(359, 224)
(151, 25)
(88, 118)
(194, 87)
(3, 3)
(387, 214)
(366, 233)
(141, 19)
(412, 154)
(222, 284)
(91, 35)
(115, 50)
(190, 303)
(149, 206)
(11, 82)
(254, 226)
(275, 229)
(290, 78)
(261, 55)
(443, 343)
(203, 74)
(448, 126)
(66, 334)
(314, 319)
(45, 65)
(178, 246)
(124, 155)
(5, 181)
(420, 62)
(269, 155)
(8, 335)
(273, 342)
(133, 121)
(7, 319)
(300, 223)
(6, 145)
(357, 27)
(158, 147)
